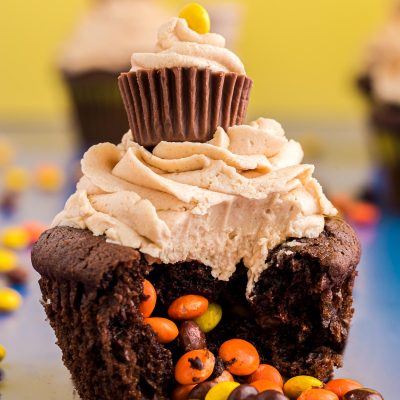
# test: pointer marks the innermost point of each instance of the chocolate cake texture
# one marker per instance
(298, 316)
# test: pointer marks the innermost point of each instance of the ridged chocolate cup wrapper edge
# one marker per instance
(182, 104)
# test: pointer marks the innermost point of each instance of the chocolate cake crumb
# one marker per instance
(219, 368)
(91, 291)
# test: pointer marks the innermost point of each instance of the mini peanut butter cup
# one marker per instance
(182, 104)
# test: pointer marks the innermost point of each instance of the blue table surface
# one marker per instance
(34, 369)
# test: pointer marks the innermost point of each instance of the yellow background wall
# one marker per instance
(302, 55)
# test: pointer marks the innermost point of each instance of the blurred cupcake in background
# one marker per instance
(226, 19)
(92, 59)
(380, 82)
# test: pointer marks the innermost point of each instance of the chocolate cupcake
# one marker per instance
(238, 220)
(190, 86)
(92, 59)
(380, 83)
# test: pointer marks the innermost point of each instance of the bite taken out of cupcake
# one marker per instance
(194, 236)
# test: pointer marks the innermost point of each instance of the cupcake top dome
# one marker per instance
(106, 37)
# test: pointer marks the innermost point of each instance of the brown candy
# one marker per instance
(9, 203)
(269, 395)
(191, 337)
(18, 275)
(200, 391)
(363, 394)
(243, 392)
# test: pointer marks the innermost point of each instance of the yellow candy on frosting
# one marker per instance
(197, 17)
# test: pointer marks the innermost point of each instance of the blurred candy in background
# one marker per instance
(59, 95)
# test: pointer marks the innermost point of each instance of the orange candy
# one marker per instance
(195, 366)
(268, 372)
(34, 230)
(188, 307)
(318, 394)
(342, 386)
(226, 376)
(241, 357)
(165, 329)
(147, 306)
(363, 213)
(181, 392)
(265, 384)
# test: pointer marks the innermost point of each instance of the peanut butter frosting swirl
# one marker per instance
(180, 46)
(231, 199)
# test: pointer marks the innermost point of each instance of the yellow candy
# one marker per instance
(49, 178)
(10, 300)
(197, 17)
(221, 391)
(294, 387)
(8, 260)
(15, 238)
(16, 179)
(2, 352)
(210, 319)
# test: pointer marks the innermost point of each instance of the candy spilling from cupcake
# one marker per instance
(198, 257)
(235, 372)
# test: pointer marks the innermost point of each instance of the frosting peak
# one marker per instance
(177, 30)
(180, 46)
(229, 200)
